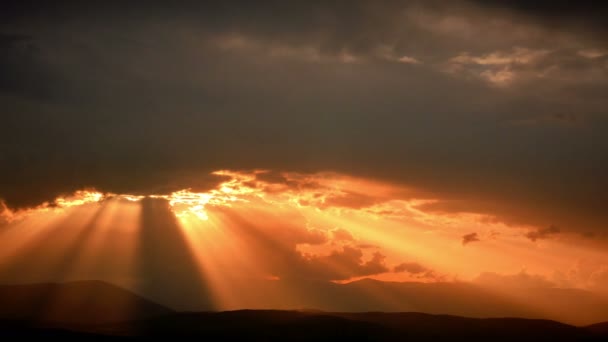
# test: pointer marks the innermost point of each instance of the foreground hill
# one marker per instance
(271, 325)
(83, 302)
(599, 328)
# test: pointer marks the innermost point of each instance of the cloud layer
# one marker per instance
(494, 108)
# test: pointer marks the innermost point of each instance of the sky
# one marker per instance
(404, 141)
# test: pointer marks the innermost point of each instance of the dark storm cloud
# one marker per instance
(587, 13)
(20, 66)
(149, 99)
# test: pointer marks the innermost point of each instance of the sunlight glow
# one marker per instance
(79, 198)
(260, 226)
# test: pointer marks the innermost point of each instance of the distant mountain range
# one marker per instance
(93, 309)
(572, 306)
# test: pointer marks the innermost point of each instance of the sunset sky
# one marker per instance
(202, 151)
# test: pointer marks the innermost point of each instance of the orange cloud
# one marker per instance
(543, 233)
(468, 238)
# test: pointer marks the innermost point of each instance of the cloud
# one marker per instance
(565, 119)
(592, 53)
(6, 215)
(468, 238)
(22, 67)
(523, 65)
(155, 98)
(579, 16)
(345, 264)
(416, 270)
(586, 273)
(543, 233)
(341, 235)
(409, 60)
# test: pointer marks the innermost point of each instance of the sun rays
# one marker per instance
(226, 247)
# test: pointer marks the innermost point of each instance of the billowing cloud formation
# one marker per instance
(586, 273)
(468, 238)
(349, 259)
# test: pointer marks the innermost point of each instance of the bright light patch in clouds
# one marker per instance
(592, 53)
(79, 198)
(339, 214)
(409, 60)
(498, 68)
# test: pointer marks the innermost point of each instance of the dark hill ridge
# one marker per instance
(276, 325)
(599, 328)
(97, 310)
(81, 302)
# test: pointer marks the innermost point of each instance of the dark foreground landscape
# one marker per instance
(100, 311)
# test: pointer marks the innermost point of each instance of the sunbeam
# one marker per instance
(258, 240)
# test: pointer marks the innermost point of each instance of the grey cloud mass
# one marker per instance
(497, 106)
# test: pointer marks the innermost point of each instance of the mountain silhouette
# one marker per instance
(599, 328)
(100, 311)
(570, 306)
(82, 302)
